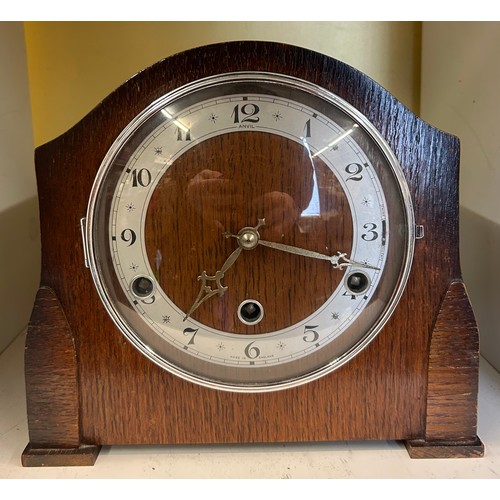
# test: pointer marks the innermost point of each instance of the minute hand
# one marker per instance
(334, 259)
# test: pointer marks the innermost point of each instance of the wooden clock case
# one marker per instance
(87, 386)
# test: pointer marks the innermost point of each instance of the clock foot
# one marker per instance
(418, 448)
(52, 390)
(59, 457)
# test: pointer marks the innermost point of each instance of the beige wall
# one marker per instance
(73, 66)
(460, 94)
(19, 238)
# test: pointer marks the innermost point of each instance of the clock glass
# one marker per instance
(250, 232)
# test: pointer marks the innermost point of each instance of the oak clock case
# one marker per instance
(269, 262)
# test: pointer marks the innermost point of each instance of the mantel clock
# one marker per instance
(250, 242)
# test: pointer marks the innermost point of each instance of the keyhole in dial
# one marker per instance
(142, 287)
(250, 312)
(357, 282)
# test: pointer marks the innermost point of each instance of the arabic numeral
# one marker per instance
(248, 112)
(128, 236)
(371, 234)
(183, 134)
(310, 335)
(307, 129)
(141, 177)
(252, 351)
(192, 332)
(354, 169)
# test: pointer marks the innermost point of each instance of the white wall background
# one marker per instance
(19, 230)
(460, 93)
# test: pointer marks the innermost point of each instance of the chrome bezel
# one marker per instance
(253, 77)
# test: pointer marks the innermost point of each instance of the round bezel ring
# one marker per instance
(92, 229)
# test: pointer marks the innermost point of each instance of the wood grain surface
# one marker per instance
(51, 376)
(381, 394)
(453, 370)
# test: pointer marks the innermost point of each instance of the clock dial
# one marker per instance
(250, 232)
(260, 175)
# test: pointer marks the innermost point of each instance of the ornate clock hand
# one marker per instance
(206, 291)
(334, 259)
(249, 238)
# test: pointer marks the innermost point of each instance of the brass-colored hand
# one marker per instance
(249, 238)
(206, 291)
(339, 261)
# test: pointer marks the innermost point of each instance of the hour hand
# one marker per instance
(206, 291)
(339, 260)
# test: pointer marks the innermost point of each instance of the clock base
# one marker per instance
(86, 455)
(59, 457)
(419, 448)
